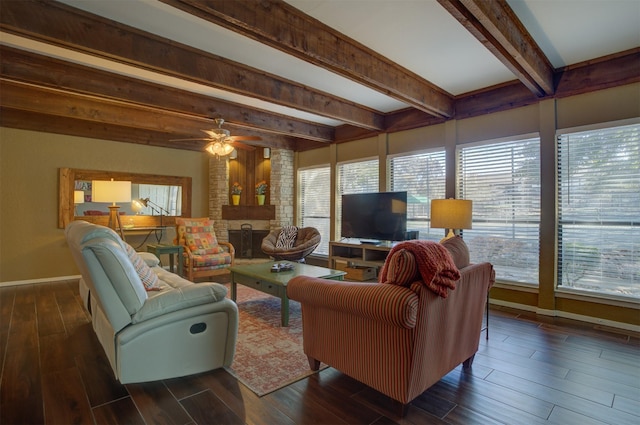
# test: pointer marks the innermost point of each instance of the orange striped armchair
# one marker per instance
(398, 337)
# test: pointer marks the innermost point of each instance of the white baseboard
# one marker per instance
(567, 315)
(43, 280)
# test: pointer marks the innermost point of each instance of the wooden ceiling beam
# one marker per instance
(43, 100)
(498, 28)
(46, 123)
(70, 28)
(280, 25)
(33, 68)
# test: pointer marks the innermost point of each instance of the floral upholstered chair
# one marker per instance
(203, 255)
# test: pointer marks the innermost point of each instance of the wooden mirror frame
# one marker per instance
(68, 177)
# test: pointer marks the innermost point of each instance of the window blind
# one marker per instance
(503, 181)
(356, 177)
(599, 210)
(314, 203)
(422, 176)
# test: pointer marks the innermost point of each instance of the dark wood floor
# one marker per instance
(533, 370)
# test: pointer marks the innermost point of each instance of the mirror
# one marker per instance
(176, 193)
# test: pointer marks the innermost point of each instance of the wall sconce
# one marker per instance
(266, 153)
(233, 154)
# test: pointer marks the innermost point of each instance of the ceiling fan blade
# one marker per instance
(243, 146)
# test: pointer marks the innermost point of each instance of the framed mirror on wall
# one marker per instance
(159, 198)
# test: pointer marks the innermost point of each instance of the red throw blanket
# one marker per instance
(435, 265)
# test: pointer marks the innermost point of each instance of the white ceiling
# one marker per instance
(417, 34)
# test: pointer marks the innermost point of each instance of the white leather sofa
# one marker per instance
(182, 329)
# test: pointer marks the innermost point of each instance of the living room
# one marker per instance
(32, 153)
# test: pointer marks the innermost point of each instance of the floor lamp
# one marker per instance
(112, 191)
(451, 214)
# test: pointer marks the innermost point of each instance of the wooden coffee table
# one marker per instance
(259, 276)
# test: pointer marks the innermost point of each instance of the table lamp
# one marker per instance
(112, 191)
(146, 202)
(451, 214)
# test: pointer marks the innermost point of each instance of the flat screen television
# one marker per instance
(380, 216)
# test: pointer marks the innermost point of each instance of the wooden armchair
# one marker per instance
(204, 256)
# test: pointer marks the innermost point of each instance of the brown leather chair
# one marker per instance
(307, 240)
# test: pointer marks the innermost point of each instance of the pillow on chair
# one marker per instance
(203, 243)
(287, 237)
(198, 235)
(402, 269)
(459, 251)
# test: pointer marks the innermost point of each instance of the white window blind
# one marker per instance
(599, 210)
(503, 181)
(422, 176)
(356, 177)
(167, 197)
(314, 203)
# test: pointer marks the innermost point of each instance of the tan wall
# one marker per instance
(31, 245)
(544, 118)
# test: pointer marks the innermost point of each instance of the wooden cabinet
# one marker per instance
(351, 253)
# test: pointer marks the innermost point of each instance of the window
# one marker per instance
(423, 177)
(356, 177)
(169, 198)
(599, 210)
(315, 203)
(503, 181)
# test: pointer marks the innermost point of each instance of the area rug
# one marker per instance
(268, 356)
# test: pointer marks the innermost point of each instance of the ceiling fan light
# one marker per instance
(219, 148)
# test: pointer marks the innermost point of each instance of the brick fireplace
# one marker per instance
(232, 219)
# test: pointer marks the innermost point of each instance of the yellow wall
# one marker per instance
(31, 245)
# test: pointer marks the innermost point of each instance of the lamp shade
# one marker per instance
(78, 197)
(110, 191)
(451, 213)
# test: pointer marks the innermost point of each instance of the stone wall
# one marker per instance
(282, 179)
(219, 194)
(281, 193)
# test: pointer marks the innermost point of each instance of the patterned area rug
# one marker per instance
(268, 356)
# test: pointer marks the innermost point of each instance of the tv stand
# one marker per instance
(356, 253)
(370, 241)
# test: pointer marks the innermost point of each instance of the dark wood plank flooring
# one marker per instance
(532, 370)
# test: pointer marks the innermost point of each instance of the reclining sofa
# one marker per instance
(152, 324)
(401, 335)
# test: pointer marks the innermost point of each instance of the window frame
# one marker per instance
(529, 282)
(560, 223)
(323, 248)
(429, 234)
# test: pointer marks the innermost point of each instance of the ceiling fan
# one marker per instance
(221, 142)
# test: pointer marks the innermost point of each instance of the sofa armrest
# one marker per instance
(392, 304)
(178, 299)
(480, 272)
